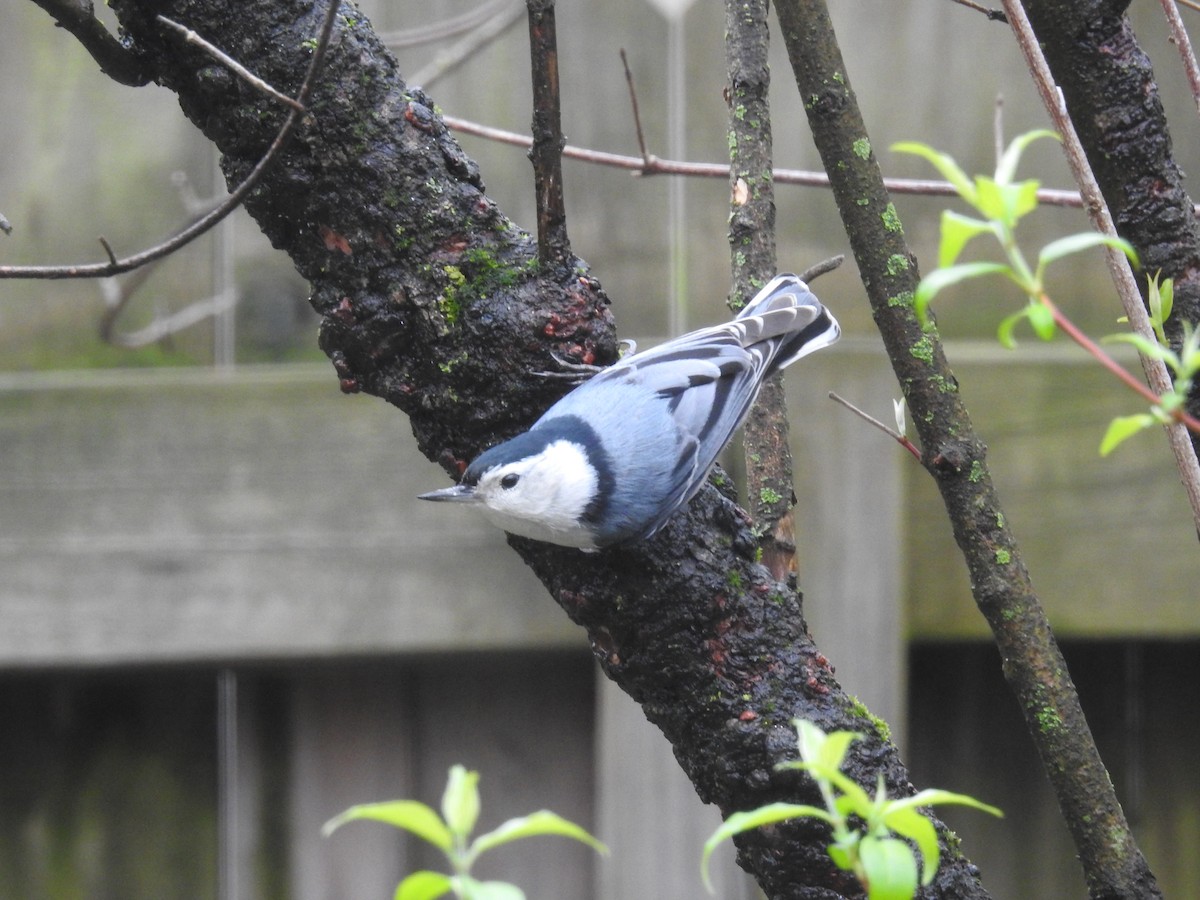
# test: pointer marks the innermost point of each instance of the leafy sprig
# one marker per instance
(1001, 201)
(870, 832)
(451, 833)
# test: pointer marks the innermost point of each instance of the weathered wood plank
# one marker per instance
(184, 516)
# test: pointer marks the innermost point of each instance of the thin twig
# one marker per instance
(1179, 37)
(824, 267)
(447, 28)
(1190, 4)
(998, 127)
(468, 48)
(1097, 352)
(633, 103)
(225, 59)
(1118, 265)
(112, 257)
(203, 224)
(653, 165)
(554, 247)
(996, 15)
(867, 417)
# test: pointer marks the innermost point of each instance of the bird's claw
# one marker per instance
(580, 372)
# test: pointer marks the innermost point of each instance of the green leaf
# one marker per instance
(423, 885)
(490, 890)
(1005, 203)
(991, 201)
(832, 752)
(842, 857)
(890, 868)
(939, 279)
(460, 802)
(1076, 243)
(771, 814)
(853, 798)
(1122, 428)
(1041, 318)
(535, 824)
(1007, 167)
(1023, 198)
(957, 231)
(1005, 331)
(411, 815)
(909, 823)
(936, 796)
(945, 165)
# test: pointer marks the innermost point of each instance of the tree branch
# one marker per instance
(769, 485)
(955, 456)
(114, 59)
(554, 247)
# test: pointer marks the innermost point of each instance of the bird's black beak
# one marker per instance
(460, 493)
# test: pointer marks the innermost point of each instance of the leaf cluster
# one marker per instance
(1184, 367)
(870, 831)
(1001, 202)
(451, 832)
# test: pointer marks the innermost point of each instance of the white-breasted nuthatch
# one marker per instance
(614, 458)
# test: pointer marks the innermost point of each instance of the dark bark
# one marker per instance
(956, 458)
(433, 300)
(1112, 98)
(554, 248)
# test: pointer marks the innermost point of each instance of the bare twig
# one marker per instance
(554, 247)
(653, 165)
(112, 257)
(466, 49)
(867, 417)
(1118, 265)
(1190, 4)
(633, 104)
(216, 53)
(115, 61)
(996, 15)
(447, 28)
(1179, 37)
(824, 267)
(204, 223)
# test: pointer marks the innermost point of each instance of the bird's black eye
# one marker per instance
(510, 480)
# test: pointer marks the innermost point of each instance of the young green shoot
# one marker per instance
(1001, 202)
(451, 832)
(870, 832)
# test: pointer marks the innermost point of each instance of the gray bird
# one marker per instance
(613, 460)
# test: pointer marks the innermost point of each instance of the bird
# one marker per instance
(615, 458)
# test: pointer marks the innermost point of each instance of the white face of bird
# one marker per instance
(542, 496)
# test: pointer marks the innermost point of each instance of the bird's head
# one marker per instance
(541, 484)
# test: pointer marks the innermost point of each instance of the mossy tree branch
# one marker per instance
(769, 494)
(955, 456)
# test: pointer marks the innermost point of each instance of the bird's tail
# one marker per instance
(786, 321)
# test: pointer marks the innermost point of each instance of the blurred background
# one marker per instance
(209, 646)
